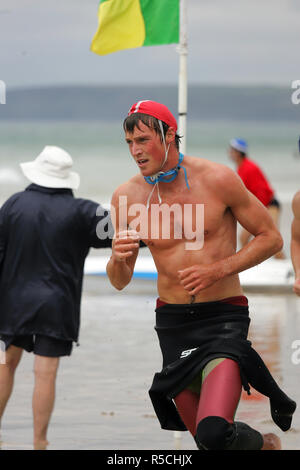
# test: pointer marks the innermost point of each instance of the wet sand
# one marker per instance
(102, 389)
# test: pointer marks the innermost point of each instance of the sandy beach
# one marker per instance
(102, 389)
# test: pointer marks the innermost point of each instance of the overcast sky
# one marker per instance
(46, 42)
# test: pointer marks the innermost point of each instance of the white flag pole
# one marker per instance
(182, 78)
(182, 108)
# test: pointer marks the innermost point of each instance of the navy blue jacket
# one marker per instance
(45, 236)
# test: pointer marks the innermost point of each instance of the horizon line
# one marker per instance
(152, 85)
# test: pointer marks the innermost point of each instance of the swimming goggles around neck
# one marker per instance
(166, 177)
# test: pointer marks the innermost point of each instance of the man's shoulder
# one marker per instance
(129, 187)
(210, 170)
(219, 180)
(12, 199)
(80, 201)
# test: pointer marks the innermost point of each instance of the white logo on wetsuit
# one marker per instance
(187, 352)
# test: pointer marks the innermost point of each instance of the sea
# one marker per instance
(102, 397)
(102, 158)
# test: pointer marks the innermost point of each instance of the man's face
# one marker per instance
(147, 149)
(234, 155)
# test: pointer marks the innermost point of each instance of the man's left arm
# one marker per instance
(254, 217)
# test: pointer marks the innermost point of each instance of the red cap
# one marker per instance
(157, 110)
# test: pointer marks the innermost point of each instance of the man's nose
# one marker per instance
(135, 149)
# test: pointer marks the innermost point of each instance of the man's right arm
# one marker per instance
(125, 247)
(295, 241)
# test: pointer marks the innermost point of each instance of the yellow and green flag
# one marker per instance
(126, 24)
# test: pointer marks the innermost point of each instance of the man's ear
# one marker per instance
(170, 135)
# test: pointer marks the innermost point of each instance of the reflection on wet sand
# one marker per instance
(274, 325)
(264, 334)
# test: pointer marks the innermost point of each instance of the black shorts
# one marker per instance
(39, 344)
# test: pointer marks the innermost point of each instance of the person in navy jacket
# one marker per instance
(45, 236)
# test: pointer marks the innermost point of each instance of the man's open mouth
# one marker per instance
(141, 161)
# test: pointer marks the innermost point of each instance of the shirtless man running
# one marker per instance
(201, 315)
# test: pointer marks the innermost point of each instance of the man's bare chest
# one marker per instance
(189, 216)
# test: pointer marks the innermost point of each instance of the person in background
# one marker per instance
(256, 182)
(295, 241)
(45, 236)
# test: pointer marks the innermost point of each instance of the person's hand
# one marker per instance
(124, 244)
(296, 287)
(198, 277)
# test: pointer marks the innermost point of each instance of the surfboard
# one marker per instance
(270, 273)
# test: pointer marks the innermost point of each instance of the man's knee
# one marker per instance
(214, 433)
(12, 357)
(45, 368)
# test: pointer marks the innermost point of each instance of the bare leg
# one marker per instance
(7, 373)
(45, 370)
(271, 442)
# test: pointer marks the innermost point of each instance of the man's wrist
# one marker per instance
(222, 268)
(297, 276)
(116, 259)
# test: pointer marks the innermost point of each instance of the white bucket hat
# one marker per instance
(52, 169)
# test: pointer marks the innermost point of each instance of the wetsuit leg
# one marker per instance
(220, 390)
(187, 405)
(220, 394)
(210, 416)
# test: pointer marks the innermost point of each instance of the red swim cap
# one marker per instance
(154, 109)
